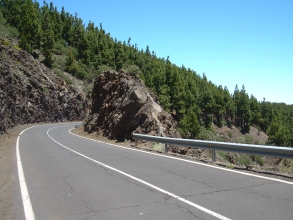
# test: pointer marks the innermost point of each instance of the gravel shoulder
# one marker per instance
(7, 169)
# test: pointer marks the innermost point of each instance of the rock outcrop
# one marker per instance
(31, 93)
(121, 104)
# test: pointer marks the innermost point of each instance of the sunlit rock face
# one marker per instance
(121, 105)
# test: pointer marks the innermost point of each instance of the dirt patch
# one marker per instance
(7, 167)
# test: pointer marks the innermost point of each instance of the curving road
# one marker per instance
(69, 177)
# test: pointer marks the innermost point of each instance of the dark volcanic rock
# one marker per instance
(121, 104)
(31, 93)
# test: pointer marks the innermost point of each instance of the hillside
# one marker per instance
(84, 50)
(32, 93)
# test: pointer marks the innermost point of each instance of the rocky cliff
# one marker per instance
(121, 104)
(31, 93)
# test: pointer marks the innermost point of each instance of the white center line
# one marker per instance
(144, 182)
(27, 205)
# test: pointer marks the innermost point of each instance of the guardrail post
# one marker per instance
(166, 148)
(135, 142)
(214, 155)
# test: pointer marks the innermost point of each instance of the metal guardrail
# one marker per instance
(284, 152)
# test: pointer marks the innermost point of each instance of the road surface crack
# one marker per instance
(188, 210)
(269, 197)
(185, 177)
(123, 207)
(68, 184)
(234, 189)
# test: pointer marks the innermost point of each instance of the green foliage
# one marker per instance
(189, 124)
(4, 56)
(230, 134)
(60, 73)
(6, 29)
(230, 166)
(278, 134)
(9, 31)
(133, 70)
(5, 42)
(248, 139)
(60, 62)
(73, 67)
(258, 159)
(104, 68)
(222, 155)
(45, 89)
(47, 37)
(206, 135)
(243, 160)
(159, 147)
(30, 27)
(16, 47)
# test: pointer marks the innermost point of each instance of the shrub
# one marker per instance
(258, 159)
(9, 31)
(230, 165)
(222, 155)
(248, 139)
(230, 134)
(243, 160)
(16, 47)
(60, 48)
(159, 147)
(206, 135)
(6, 42)
(133, 70)
(229, 124)
(60, 62)
(60, 73)
(240, 140)
(4, 56)
(90, 72)
(104, 68)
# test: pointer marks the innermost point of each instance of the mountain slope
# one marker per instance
(32, 93)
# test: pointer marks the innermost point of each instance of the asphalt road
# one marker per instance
(68, 177)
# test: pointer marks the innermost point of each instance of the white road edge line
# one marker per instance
(27, 205)
(144, 182)
(189, 161)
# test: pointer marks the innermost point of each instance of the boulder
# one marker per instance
(121, 105)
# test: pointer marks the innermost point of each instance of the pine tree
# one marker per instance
(119, 56)
(12, 11)
(30, 27)
(72, 65)
(278, 134)
(48, 36)
(189, 124)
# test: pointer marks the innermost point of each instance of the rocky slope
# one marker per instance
(121, 104)
(31, 93)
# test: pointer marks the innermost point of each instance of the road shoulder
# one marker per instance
(7, 169)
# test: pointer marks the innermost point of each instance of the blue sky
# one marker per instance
(239, 42)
